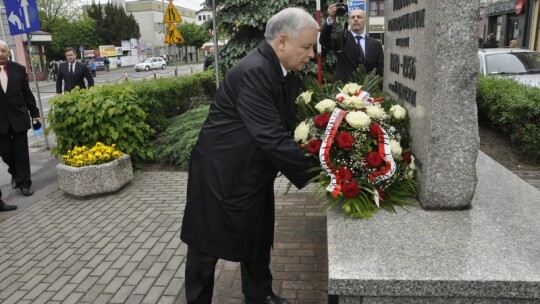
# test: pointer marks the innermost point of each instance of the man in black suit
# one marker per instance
(16, 102)
(73, 73)
(245, 141)
(356, 49)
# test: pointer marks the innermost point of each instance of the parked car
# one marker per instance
(521, 64)
(151, 63)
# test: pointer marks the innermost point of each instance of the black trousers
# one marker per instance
(200, 268)
(14, 152)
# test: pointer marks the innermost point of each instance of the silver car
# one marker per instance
(521, 64)
(151, 63)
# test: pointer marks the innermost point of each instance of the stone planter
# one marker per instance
(96, 179)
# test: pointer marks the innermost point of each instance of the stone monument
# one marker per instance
(431, 64)
(487, 254)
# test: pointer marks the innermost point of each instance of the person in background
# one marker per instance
(356, 49)
(72, 73)
(514, 43)
(17, 109)
(93, 68)
(107, 64)
(491, 42)
(245, 141)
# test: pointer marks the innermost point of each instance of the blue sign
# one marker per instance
(23, 16)
(357, 4)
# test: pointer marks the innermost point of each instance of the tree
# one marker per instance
(245, 21)
(113, 24)
(52, 12)
(72, 33)
(193, 35)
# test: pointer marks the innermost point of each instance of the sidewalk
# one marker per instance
(125, 248)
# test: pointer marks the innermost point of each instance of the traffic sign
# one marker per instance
(171, 14)
(23, 16)
(173, 35)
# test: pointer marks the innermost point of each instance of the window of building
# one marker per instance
(376, 8)
(200, 18)
(159, 27)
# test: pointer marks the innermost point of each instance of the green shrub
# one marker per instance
(174, 145)
(107, 114)
(164, 98)
(513, 108)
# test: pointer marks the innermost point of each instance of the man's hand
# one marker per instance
(38, 119)
(332, 12)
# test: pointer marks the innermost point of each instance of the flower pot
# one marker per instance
(95, 179)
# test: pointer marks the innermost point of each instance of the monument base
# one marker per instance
(487, 254)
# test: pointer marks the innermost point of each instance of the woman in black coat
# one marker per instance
(245, 141)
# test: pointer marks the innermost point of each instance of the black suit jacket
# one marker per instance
(18, 101)
(348, 56)
(242, 145)
(81, 72)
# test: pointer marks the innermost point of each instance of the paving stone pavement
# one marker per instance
(125, 248)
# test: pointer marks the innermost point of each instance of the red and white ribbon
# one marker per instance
(324, 152)
(383, 142)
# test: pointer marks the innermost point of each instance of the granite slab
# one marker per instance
(490, 251)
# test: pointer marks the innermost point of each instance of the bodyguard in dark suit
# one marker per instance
(245, 141)
(72, 73)
(356, 49)
(16, 102)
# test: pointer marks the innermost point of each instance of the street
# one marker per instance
(43, 165)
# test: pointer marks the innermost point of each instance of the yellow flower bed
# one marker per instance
(98, 154)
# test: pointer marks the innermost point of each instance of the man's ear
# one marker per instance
(281, 41)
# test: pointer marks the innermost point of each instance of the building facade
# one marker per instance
(508, 20)
(149, 15)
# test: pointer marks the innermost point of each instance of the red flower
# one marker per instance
(344, 173)
(314, 145)
(373, 131)
(374, 160)
(320, 121)
(350, 189)
(407, 156)
(345, 141)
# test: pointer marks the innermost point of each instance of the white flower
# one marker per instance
(396, 149)
(325, 106)
(354, 102)
(375, 112)
(302, 131)
(351, 88)
(358, 120)
(304, 97)
(398, 112)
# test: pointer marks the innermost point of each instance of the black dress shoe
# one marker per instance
(272, 299)
(6, 207)
(26, 191)
(13, 183)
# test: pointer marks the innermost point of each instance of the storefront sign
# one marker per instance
(519, 6)
(500, 7)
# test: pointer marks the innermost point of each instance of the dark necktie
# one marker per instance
(360, 50)
(71, 70)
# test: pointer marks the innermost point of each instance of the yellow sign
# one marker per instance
(171, 14)
(173, 35)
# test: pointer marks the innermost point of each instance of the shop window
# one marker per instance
(376, 8)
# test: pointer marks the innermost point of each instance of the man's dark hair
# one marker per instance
(69, 49)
